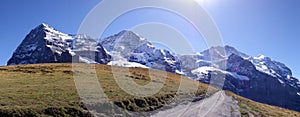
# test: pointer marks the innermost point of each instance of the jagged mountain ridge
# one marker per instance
(44, 44)
(245, 75)
(131, 47)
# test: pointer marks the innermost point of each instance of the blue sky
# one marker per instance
(269, 27)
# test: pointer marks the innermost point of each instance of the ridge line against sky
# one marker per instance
(269, 27)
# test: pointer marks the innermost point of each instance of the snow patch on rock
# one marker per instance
(126, 64)
(205, 70)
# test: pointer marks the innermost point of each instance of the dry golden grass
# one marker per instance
(249, 107)
(49, 89)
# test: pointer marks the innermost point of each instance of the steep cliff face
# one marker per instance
(131, 47)
(89, 50)
(44, 44)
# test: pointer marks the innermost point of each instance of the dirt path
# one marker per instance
(217, 105)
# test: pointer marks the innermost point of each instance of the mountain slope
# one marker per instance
(252, 108)
(49, 90)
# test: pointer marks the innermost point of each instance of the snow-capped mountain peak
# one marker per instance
(44, 26)
(260, 57)
(221, 52)
(270, 67)
(123, 41)
(44, 44)
(130, 34)
(231, 50)
(132, 47)
(50, 30)
(227, 53)
(261, 62)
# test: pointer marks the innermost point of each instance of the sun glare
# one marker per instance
(205, 2)
(200, 1)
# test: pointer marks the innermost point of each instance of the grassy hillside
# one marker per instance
(252, 108)
(49, 89)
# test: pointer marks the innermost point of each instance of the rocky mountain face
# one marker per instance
(131, 47)
(44, 44)
(258, 78)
